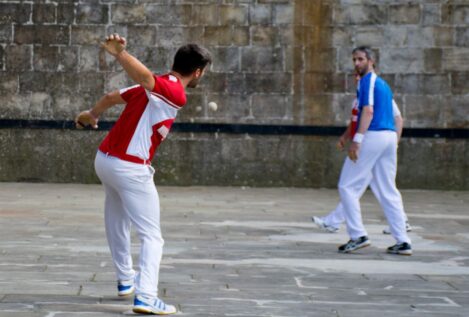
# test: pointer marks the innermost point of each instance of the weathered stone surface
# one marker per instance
(266, 55)
(42, 34)
(404, 14)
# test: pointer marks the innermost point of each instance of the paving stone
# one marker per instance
(232, 252)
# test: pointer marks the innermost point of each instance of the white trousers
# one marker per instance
(131, 198)
(336, 217)
(378, 161)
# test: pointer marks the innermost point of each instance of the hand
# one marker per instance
(86, 118)
(353, 151)
(341, 143)
(114, 44)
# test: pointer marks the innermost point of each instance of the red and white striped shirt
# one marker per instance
(145, 121)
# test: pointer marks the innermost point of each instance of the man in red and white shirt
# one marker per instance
(123, 163)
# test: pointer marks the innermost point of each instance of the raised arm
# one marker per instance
(115, 45)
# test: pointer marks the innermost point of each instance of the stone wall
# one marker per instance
(275, 62)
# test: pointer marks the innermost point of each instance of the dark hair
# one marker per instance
(367, 50)
(189, 58)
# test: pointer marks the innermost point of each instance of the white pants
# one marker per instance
(131, 198)
(336, 217)
(378, 161)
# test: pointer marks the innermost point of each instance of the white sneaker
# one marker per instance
(322, 225)
(125, 288)
(387, 230)
(152, 306)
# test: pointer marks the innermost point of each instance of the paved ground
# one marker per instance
(233, 252)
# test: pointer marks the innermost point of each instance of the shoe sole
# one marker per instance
(409, 252)
(143, 310)
(364, 245)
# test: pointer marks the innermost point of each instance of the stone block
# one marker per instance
(460, 83)
(321, 60)
(458, 112)
(283, 14)
(206, 14)
(313, 13)
(68, 59)
(260, 14)
(431, 14)
(233, 15)
(18, 57)
(404, 13)
(422, 111)
(141, 35)
(46, 58)
(91, 14)
(44, 13)
(373, 36)
(168, 14)
(236, 83)
(262, 59)
(361, 14)
(423, 84)
(88, 58)
(455, 14)
(65, 13)
(178, 35)
(294, 59)
(9, 84)
(42, 34)
(425, 37)
(401, 60)
(218, 35)
(318, 110)
(6, 33)
(131, 13)
(443, 36)
(213, 82)
(270, 107)
(462, 37)
(91, 81)
(240, 36)
(433, 59)
(264, 35)
(48, 82)
(158, 59)
(15, 12)
(88, 35)
(226, 59)
(317, 83)
(285, 36)
(455, 59)
(344, 60)
(2, 54)
(268, 83)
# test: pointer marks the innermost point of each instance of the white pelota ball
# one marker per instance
(212, 106)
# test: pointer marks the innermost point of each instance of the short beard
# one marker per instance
(193, 83)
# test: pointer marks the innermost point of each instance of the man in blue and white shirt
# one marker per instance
(373, 153)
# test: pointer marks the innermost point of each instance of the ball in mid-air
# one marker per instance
(212, 106)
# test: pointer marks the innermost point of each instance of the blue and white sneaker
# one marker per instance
(125, 288)
(152, 306)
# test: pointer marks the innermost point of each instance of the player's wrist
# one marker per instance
(93, 114)
(358, 138)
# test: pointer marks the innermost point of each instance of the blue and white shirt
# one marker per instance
(374, 91)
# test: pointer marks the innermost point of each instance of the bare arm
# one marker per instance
(365, 121)
(90, 117)
(399, 123)
(115, 45)
(344, 137)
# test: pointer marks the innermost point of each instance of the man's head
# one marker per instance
(363, 60)
(190, 61)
